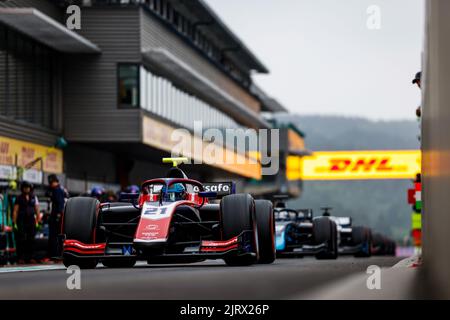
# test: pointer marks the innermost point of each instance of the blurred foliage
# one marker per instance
(380, 204)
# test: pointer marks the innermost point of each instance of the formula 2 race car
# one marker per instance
(298, 233)
(353, 240)
(170, 221)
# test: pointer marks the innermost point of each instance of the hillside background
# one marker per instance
(379, 204)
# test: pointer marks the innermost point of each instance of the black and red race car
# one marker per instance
(172, 220)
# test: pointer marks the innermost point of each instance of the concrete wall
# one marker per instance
(436, 146)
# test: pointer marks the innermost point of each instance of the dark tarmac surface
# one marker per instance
(284, 279)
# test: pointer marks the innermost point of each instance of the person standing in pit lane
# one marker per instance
(57, 198)
(25, 219)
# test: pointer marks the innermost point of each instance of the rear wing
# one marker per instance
(222, 189)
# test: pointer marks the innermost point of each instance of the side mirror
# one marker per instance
(207, 194)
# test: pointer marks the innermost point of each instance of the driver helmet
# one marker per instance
(175, 192)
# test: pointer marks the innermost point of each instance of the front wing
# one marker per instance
(204, 249)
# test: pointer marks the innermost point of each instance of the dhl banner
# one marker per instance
(354, 165)
(20, 153)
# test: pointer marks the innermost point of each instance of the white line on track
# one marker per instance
(31, 268)
(12, 269)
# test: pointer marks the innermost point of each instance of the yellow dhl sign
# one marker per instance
(21, 153)
(353, 165)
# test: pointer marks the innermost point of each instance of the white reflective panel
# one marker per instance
(219, 123)
(160, 96)
(177, 107)
(188, 110)
(169, 102)
(180, 111)
(175, 104)
(197, 113)
(204, 115)
(159, 93)
(200, 112)
(143, 87)
(211, 117)
(164, 98)
(154, 94)
(184, 117)
(216, 119)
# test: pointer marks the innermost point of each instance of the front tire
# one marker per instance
(80, 220)
(238, 215)
(266, 231)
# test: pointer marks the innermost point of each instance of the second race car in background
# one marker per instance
(299, 233)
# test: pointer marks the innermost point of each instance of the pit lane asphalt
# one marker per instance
(284, 279)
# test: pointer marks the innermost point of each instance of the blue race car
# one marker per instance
(298, 233)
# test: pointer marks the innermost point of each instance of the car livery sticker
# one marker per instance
(155, 222)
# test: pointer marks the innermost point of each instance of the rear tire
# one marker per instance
(80, 220)
(324, 231)
(237, 215)
(266, 231)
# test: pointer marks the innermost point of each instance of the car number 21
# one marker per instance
(155, 211)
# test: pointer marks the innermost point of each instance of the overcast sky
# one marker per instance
(324, 60)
